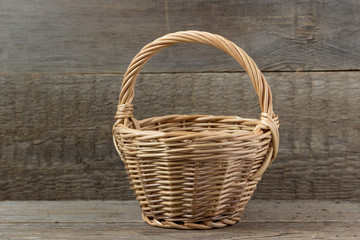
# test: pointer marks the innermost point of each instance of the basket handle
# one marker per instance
(258, 80)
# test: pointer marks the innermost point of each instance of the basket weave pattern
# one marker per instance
(195, 171)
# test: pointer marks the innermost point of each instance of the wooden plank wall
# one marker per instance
(61, 64)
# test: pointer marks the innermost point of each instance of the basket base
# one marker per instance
(188, 226)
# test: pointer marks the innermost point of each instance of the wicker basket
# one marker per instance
(195, 171)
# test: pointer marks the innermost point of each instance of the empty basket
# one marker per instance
(195, 171)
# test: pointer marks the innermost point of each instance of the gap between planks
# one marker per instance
(183, 72)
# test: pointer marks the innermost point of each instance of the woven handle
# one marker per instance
(127, 91)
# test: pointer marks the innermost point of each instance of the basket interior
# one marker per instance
(198, 123)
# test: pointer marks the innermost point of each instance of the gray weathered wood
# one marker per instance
(68, 184)
(137, 231)
(102, 36)
(128, 211)
(120, 220)
(56, 130)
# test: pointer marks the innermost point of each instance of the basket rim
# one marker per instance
(200, 117)
(177, 118)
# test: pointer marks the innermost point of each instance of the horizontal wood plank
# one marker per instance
(56, 130)
(68, 184)
(95, 231)
(129, 212)
(91, 36)
(120, 220)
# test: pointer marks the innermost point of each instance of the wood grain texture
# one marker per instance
(56, 130)
(91, 36)
(121, 220)
(129, 211)
(136, 231)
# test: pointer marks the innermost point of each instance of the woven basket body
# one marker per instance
(195, 171)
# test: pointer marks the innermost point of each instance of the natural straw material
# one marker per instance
(198, 171)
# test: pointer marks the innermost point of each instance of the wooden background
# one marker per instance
(61, 64)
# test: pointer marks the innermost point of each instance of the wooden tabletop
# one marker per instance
(122, 220)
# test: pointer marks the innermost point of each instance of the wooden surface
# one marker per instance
(91, 36)
(60, 65)
(121, 220)
(56, 130)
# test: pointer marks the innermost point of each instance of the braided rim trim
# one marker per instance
(188, 226)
